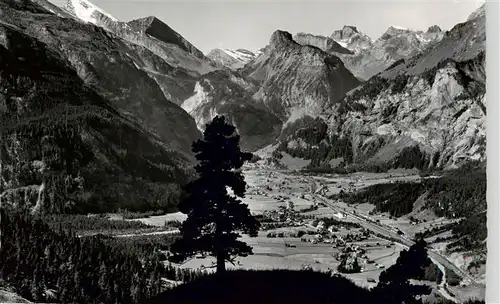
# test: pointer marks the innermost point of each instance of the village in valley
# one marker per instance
(301, 229)
(305, 226)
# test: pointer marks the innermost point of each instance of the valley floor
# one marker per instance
(269, 188)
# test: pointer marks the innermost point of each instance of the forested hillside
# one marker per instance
(457, 194)
(51, 265)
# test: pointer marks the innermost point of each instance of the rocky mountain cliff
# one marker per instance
(424, 111)
(326, 44)
(77, 111)
(229, 94)
(296, 80)
(352, 39)
(232, 59)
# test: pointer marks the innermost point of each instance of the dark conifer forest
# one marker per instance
(46, 264)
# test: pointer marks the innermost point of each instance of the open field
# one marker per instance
(271, 253)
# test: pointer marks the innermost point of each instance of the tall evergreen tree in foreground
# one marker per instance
(214, 216)
(394, 285)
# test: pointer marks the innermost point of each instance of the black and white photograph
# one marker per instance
(157, 151)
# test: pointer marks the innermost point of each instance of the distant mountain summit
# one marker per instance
(296, 80)
(156, 28)
(372, 57)
(286, 83)
(233, 59)
(352, 39)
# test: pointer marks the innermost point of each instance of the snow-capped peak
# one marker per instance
(399, 27)
(86, 11)
(233, 59)
(241, 55)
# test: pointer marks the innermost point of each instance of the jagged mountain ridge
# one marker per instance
(372, 57)
(88, 12)
(150, 33)
(64, 147)
(168, 58)
(425, 111)
(463, 42)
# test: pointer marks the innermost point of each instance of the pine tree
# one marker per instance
(394, 286)
(214, 216)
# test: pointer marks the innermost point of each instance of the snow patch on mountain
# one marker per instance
(399, 27)
(86, 11)
(233, 59)
(242, 56)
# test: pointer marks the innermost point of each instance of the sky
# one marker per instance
(249, 24)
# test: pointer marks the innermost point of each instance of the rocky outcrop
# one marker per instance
(326, 44)
(234, 60)
(227, 93)
(65, 147)
(296, 80)
(434, 29)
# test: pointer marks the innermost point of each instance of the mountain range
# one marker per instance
(135, 95)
